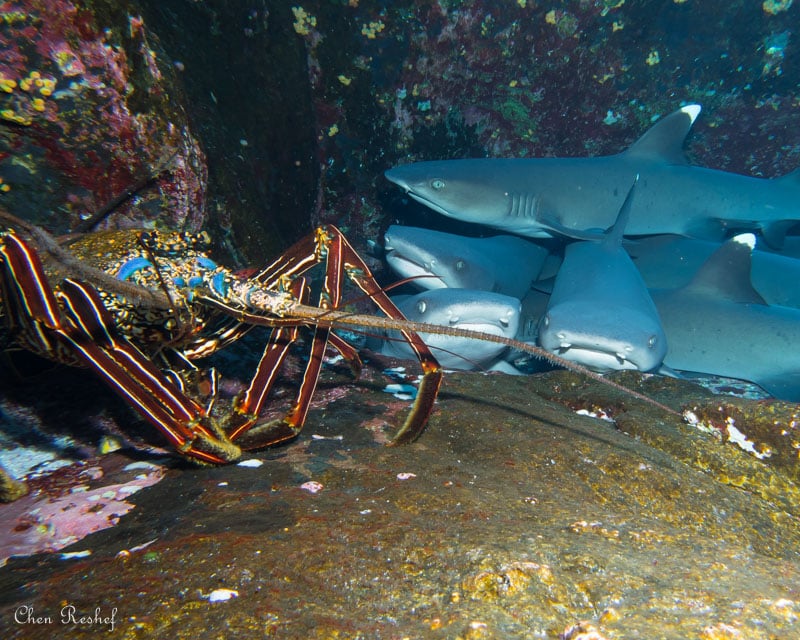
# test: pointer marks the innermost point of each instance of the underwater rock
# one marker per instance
(91, 113)
(513, 515)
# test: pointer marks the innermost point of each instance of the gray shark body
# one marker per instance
(502, 264)
(670, 262)
(482, 311)
(718, 324)
(600, 313)
(539, 197)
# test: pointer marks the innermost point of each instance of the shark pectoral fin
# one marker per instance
(501, 366)
(774, 233)
(557, 228)
(707, 228)
(664, 370)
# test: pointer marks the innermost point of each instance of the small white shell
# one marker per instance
(252, 463)
(221, 595)
(311, 486)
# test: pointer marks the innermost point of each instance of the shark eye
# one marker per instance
(652, 341)
(422, 306)
(545, 322)
(437, 184)
(460, 265)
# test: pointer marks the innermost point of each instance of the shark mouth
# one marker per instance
(429, 203)
(497, 329)
(413, 270)
(595, 358)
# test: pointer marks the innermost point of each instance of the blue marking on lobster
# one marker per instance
(206, 263)
(132, 266)
(219, 283)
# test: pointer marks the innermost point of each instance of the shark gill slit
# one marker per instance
(522, 205)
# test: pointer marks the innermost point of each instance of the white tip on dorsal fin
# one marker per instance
(726, 273)
(664, 140)
(691, 110)
(747, 239)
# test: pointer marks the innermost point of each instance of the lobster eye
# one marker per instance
(422, 306)
(437, 184)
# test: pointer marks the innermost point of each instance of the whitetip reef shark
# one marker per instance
(718, 324)
(670, 262)
(600, 313)
(502, 264)
(541, 197)
(482, 311)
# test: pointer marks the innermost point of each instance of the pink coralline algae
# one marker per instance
(89, 115)
(49, 520)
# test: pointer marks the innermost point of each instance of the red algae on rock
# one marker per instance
(88, 114)
(49, 519)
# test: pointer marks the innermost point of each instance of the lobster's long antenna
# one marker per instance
(286, 311)
(103, 212)
(283, 312)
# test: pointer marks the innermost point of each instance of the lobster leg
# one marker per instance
(329, 245)
(357, 270)
(75, 325)
(251, 403)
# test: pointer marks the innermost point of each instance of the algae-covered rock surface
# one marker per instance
(513, 516)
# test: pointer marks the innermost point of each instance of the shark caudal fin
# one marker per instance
(664, 140)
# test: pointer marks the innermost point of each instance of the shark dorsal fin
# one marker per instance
(614, 234)
(664, 140)
(726, 273)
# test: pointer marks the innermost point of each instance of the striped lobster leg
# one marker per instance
(72, 325)
(327, 245)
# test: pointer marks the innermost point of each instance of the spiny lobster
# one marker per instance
(137, 307)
